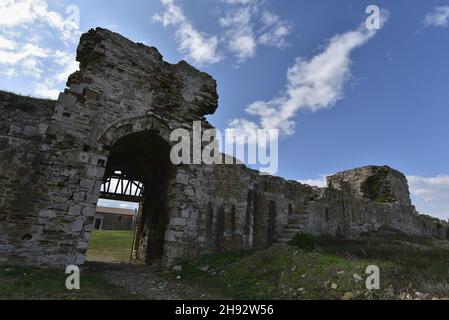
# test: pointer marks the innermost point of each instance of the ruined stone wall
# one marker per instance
(228, 208)
(323, 211)
(121, 88)
(23, 123)
(337, 213)
(378, 184)
(377, 198)
(54, 155)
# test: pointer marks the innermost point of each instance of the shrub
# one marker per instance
(303, 241)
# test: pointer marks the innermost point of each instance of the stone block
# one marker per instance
(75, 210)
(87, 184)
(79, 196)
(89, 212)
(179, 222)
(47, 214)
(170, 236)
(77, 226)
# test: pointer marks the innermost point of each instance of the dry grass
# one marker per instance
(410, 268)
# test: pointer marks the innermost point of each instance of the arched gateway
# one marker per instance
(116, 117)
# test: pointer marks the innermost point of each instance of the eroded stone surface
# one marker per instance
(54, 157)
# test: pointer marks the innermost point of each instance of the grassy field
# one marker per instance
(28, 283)
(328, 268)
(40, 283)
(110, 246)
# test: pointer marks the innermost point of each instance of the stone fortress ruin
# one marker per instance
(115, 118)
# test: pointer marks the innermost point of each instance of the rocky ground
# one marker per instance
(311, 268)
(149, 282)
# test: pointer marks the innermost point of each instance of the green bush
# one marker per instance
(303, 241)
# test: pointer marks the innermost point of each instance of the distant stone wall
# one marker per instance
(378, 184)
(119, 110)
(379, 198)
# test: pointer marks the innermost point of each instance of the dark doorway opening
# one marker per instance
(139, 171)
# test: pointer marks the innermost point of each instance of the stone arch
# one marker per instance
(140, 148)
(128, 126)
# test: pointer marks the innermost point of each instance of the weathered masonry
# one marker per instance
(116, 117)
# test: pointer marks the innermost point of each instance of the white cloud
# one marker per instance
(274, 30)
(240, 36)
(7, 44)
(312, 84)
(431, 195)
(67, 63)
(22, 52)
(28, 30)
(33, 61)
(17, 13)
(321, 182)
(62, 64)
(46, 89)
(22, 58)
(197, 46)
(8, 72)
(117, 204)
(248, 24)
(438, 18)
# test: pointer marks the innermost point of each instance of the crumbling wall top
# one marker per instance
(22, 116)
(180, 88)
(378, 184)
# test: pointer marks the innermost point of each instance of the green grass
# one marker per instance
(25, 283)
(110, 246)
(329, 268)
(42, 283)
(326, 269)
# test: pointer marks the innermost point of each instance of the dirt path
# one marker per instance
(148, 282)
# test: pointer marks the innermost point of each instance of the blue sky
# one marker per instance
(342, 97)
